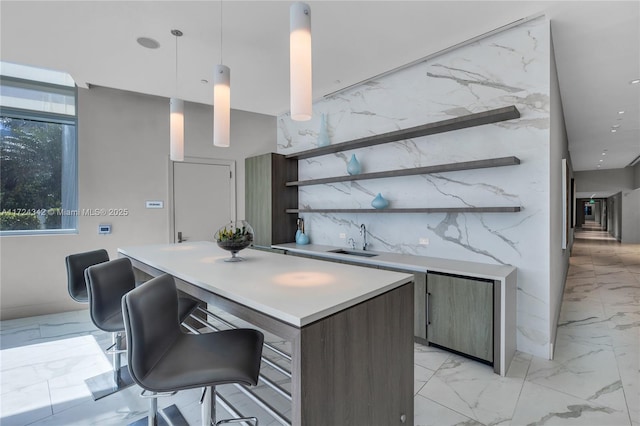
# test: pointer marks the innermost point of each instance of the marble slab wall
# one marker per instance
(507, 68)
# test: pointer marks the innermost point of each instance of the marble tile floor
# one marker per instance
(592, 380)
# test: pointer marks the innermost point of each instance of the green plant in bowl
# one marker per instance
(234, 236)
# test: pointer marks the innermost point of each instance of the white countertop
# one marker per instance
(406, 261)
(295, 290)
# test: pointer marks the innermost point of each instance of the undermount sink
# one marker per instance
(353, 253)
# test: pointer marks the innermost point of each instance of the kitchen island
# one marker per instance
(350, 328)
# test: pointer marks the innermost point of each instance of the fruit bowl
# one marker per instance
(234, 236)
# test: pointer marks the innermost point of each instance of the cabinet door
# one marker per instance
(267, 197)
(420, 316)
(460, 314)
(258, 206)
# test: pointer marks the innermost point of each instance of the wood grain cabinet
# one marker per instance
(460, 314)
(267, 198)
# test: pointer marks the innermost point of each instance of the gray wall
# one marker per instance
(559, 149)
(636, 176)
(610, 180)
(123, 160)
(614, 215)
(631, 217)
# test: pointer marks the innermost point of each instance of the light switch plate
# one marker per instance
(154, 204)
(423, 241)
(104, 228)
(343, 235)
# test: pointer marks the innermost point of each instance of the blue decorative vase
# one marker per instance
(302, 239)
(379, 202)
(353, 168)
(323, 134)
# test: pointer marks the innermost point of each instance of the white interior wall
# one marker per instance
(123, 160)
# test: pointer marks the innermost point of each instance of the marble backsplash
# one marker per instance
(508, 68)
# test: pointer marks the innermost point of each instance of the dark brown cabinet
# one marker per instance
(267, 198)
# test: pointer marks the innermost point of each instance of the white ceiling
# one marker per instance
(597, 47)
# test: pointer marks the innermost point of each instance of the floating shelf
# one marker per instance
(415, 210)
(471, 120)
(467, 165)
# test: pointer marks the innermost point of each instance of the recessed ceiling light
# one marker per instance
(613, 130)
(636, 81)
(601, 161)
(147, 42)
(621, 112)
(604, 153)
(615, 126)
(598, 165)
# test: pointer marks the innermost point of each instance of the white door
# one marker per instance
(203, 198)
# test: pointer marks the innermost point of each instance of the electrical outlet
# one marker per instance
(342, 235)
(423, 241)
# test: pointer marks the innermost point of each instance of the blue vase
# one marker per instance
(353, 168)
(323, 134)
(379, 202)
(302, 239)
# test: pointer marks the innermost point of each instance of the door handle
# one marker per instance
(428, 310)
(180, 239)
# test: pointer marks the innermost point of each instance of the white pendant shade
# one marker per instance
(222, 106)
(300, 61)
(176, 132)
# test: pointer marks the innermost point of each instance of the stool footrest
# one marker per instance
(148, 394)
(239, 420)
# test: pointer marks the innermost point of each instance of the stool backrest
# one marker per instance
(76, 264)
(150, 314)
(106, 284)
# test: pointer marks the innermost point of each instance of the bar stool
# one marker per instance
(76, 264)
(163, 359)
(106, 383)
(106, 283)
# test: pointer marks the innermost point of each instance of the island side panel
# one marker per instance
(356, 366)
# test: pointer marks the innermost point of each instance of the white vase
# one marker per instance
(323, 133)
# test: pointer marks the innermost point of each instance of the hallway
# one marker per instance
(592, 230)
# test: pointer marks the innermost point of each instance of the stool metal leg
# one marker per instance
(208, 406)
(153, 412)
(170, 416)
(116, 380)
(208, 410)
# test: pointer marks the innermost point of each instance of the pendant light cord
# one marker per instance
(176, 66)
(220, 32)
(176, 34)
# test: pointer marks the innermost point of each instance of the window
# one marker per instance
(38, 151)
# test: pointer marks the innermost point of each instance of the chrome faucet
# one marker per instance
(363, 232)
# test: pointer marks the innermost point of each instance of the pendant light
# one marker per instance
(221, 100)
(176, 117)
(300, 61)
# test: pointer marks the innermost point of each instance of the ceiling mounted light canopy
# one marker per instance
(300, 61)
(176, 116)
(221, 100)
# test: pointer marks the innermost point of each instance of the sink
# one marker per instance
(353, 253)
